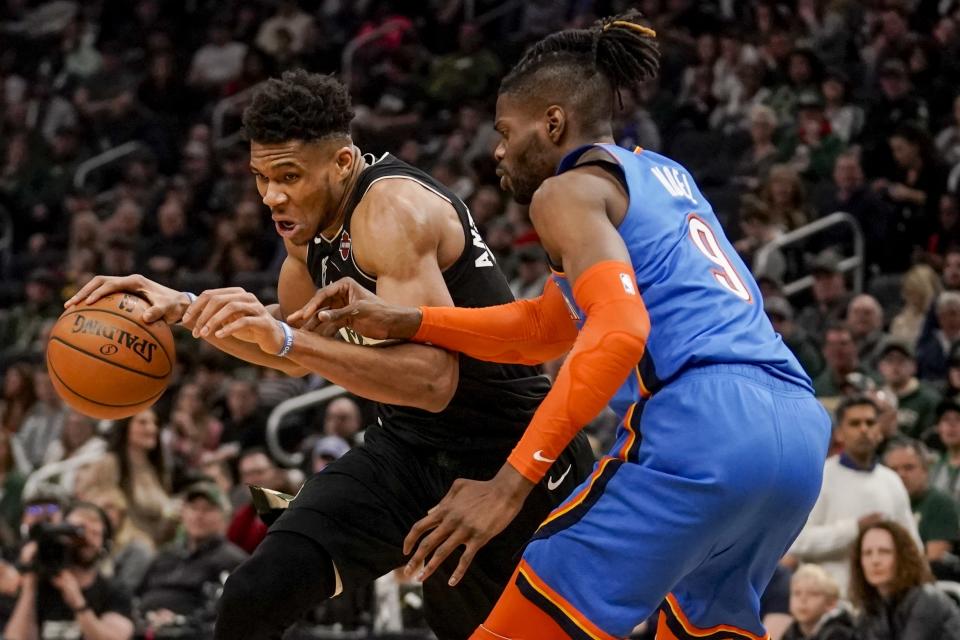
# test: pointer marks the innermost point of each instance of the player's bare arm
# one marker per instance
(573, 214)
(401, 238)
(170, 306)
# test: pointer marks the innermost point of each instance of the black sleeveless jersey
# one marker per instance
(493, 403)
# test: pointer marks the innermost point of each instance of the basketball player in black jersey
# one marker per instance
(441, 416)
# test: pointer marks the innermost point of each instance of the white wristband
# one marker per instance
(192, 297)
(287, 339)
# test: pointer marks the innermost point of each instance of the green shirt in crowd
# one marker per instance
(917, 410)
(937, 516)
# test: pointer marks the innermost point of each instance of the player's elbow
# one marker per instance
(440, 383)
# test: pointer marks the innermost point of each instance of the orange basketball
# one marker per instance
(105, 362)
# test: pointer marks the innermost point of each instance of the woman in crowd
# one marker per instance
(11, 492)
(131, 550)
(890, 582)
(135, 463)
(786, 197)
(920, 286)
(19, 396)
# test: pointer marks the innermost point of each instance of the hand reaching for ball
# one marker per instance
(166, 304)
(234, 312)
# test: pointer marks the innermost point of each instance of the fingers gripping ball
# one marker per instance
(105, 362)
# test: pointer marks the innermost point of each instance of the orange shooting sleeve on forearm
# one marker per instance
(608, 348)
(521, 332)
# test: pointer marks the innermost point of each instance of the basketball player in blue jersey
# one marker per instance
(719, 456)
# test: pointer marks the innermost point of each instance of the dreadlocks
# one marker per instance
(580, 66)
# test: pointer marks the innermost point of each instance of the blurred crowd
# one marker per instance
(119, 153)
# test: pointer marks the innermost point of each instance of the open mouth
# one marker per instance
(284, 227)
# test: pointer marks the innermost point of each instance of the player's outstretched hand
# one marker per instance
(234, 312)
(469, 515)
(165, 303)
(347, 304)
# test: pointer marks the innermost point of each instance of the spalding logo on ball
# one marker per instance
(105, 362)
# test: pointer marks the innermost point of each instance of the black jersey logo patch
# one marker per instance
(345, 245)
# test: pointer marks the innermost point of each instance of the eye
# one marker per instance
(259, 176)
(290, 177)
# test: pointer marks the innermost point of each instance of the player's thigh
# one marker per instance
(360, 508)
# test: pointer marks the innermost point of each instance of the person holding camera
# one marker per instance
(62, 593)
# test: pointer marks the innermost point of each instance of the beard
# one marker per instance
(532, 167)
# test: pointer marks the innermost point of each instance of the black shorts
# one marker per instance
(361, 507)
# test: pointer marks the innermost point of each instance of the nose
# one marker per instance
(274, 197)
(499, 152)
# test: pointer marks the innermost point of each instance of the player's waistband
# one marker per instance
(764, 376)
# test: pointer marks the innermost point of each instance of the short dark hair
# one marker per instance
(298, 106)
(854, 401)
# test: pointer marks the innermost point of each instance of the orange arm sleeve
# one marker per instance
(521, 332)
(608, 348)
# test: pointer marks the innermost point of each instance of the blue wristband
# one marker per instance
(287, 339)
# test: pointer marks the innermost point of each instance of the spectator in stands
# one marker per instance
(136, 463)
(41, 427)
(948, 140)
(11, 490)
(846, 118)
(245, 422)
(78, 439)
(256, 469)
(19, 396)
(290, 18)
(759, 228)
(936, 513)
(816, 608)
(754, 164)
(532, 272)
(785, 196)
(830, 297)
(218, 61)
(865, 319)
(917, 402)
(182, 577)
(932, 349)
(895, 105)
(920, 287)
(803, 76)
(946, 230)
(840, 356)
(194, 433)
(78, 601)
(131, 551)
(848, 192)
(326, 450)
(857, 492)
(342, 418)
(468, 72)
(20, 325)
(915, 185)
(812, 148)
(803, 347)
(890, 584)
(945, 474)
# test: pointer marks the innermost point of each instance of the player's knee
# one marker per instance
(244, 601)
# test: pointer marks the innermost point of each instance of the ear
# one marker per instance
(556, 121)
(344, 158)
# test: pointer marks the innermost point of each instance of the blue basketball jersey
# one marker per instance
(704, 305)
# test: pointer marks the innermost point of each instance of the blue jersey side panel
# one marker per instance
(704, 306)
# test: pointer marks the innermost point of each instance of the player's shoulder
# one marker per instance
(394, 201)
(579, 183)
